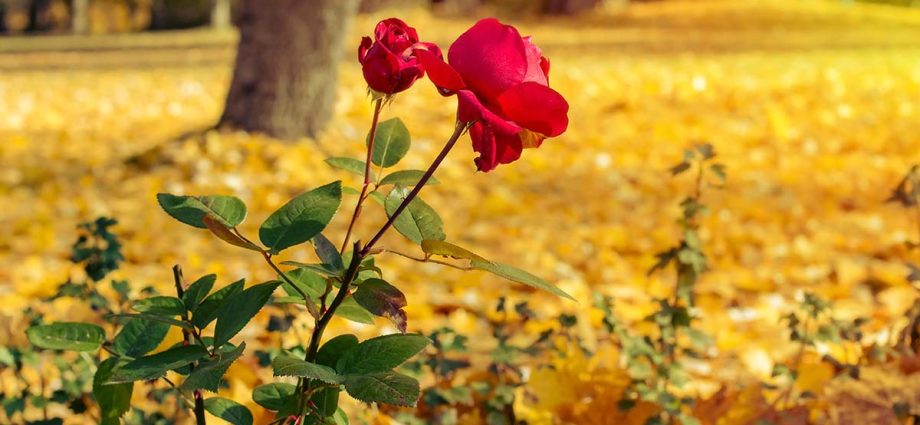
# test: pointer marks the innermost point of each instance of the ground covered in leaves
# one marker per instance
(812, 108)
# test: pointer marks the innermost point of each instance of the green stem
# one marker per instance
(359, 254)
(340, 296)
(367, 173)
(458, 131)
(308, 302)
(187, 338)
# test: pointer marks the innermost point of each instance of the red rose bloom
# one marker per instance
(388, 62)
(501, 82)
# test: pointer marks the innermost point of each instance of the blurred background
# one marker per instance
(811, 106)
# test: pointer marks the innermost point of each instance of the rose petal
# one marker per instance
(490, 57)
(535, 107)
(470, 108)
(445, 78)
(382, 70)
(366, 43)
(493, 148)
(535, 59)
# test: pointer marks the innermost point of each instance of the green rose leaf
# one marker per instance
(139, 337)
(351, 310)
(273, 396)
(517, 275)
(207, 310)
(326, 401)
(160, 305)
(113, 400)
(197, 291)
(227, 210)
(418, 221)
(391, 143)
(327, 252)
(239, 309)
(306, 280)
(208, 374)
(382, 299)
(406, 178)
(151, 317)
(289, 366)
(335, 348)
(67, 336)
(156, 365)
(301, 218)
(447, 249)
(381, 354)
(228, 410)
(227, 235)
(351, 165)
(383, 387)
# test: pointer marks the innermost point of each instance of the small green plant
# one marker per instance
(813, 322)
(460, 389)
(98, 251)
(907, 195)
(654, 363)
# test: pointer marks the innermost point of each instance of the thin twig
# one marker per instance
(458, 131)
(367, 174)
(308, 300)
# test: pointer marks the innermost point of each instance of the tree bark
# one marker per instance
(80, 16)
(220, 14)
(286, 66)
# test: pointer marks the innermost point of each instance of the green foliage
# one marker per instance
(207, 374)
(160, 306)
(406, 178)
(196, 292)
(335, 348)
(517, 275)
(156, 365)
(447, 249)
(345, 282)
(114, 399)
(418, 221)
(351, 165)
(351, 310)
(228, 410)
(383, 387)
(97, 248)
(391, 143)
(227, 210)
(138, 337)
(380, 354)
(239, 309)
(209, 308)
(67, 336)
(301, 218)
(290, 366)
(327, 253)
(655, 364)
(383, 299)
(273, 396)
(151, 317)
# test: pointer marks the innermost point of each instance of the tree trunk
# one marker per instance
(569, 7)
(220, 14)
(287, 64)
(80, 16)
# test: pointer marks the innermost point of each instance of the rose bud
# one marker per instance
(388, 62)
(502, 87)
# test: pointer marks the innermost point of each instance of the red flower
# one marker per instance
(389, 62)
(501, 82)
